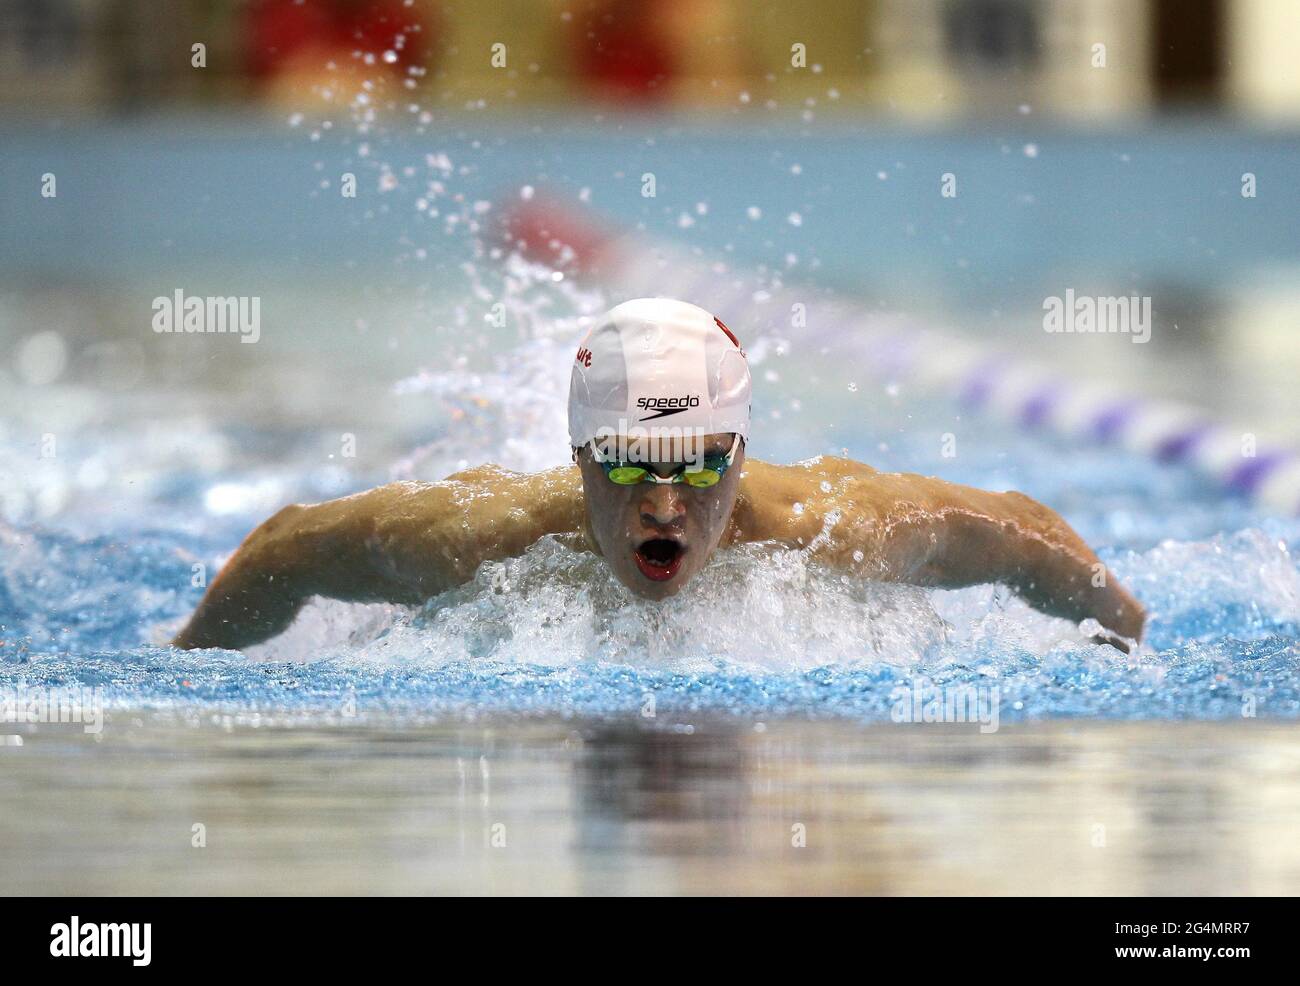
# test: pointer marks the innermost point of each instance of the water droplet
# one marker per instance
(42, 358)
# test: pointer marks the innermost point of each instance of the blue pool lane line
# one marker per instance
(988, 380)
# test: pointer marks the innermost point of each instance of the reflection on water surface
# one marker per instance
(625, 807)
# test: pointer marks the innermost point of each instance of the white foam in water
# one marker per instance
(515, 411)
(514, 415)
(1248, 571)
(753, 607)
(765, 608)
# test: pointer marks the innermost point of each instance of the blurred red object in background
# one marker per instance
(285, 35)
(621, 52)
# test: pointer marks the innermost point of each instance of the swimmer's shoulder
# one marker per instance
(815, 471)
(480, 492)
(836, 475)
(490, 474)
(489, 479)
(790, 503)
(470, 514)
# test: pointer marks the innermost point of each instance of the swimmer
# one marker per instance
(659, 420)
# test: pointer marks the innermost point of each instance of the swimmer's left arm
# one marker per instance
(926, 531)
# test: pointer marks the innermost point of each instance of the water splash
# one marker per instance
(760, 632)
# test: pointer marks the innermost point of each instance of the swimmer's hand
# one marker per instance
(257, 593)
(1119, 643)
(401, 543)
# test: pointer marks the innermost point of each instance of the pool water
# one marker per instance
(90, 592)
(549, 806)
(621, 745)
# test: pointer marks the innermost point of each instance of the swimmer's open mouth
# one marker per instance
(659, 558)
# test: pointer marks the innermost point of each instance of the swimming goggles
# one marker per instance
(708, 474)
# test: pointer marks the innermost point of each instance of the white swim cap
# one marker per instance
(655, 365)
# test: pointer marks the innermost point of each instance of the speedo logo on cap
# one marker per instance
(664, 406)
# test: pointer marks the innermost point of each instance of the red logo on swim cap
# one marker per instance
(730, 334)
(584, 356)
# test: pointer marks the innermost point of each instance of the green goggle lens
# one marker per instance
(631, 475)
(710, 473)
(627, 475)
(702, 478)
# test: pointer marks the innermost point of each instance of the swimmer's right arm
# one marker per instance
(401, 543)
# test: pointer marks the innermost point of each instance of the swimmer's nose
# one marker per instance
(662, 506)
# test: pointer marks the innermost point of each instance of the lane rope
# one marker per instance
(1020, 391)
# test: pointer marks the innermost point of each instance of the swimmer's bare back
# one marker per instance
(406, 542)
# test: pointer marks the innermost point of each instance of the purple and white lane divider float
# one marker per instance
(1024, 392)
